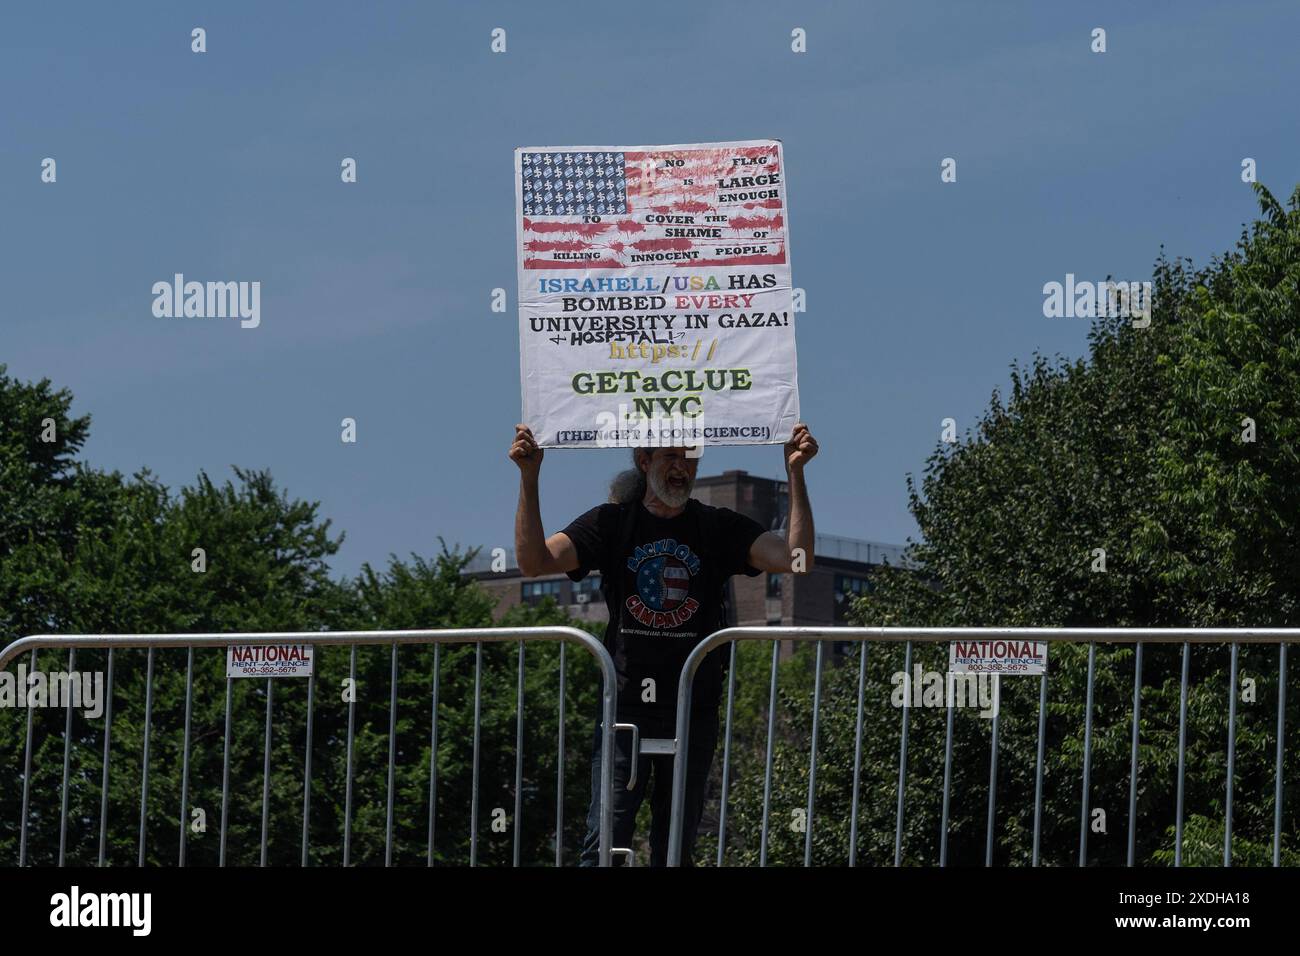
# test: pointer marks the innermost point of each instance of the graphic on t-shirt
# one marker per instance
(663, 572)
(663, 583)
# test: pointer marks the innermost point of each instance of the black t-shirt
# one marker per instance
(663, 581)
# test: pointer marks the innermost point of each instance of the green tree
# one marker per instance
(86, 551)
(1136, 450)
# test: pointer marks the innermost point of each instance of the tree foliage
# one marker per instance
(86, 551)
(1136, 450)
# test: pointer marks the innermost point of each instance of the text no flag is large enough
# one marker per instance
(655, 300)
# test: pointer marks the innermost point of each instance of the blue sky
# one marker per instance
(376, 296)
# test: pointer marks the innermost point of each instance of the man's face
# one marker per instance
(670, 474)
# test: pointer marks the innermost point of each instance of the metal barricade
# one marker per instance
(909, 635)
(478, 637)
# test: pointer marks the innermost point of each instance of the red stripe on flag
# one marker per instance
(581, 228)
(575, 264)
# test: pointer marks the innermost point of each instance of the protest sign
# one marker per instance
(655, 298)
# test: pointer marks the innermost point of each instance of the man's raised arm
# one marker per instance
(769, 552)
(534, 552)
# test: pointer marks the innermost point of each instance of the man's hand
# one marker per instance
(526, 453)
(795, 553)
(800, 449)
(536, 553)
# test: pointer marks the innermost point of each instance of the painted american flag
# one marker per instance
(598, 209)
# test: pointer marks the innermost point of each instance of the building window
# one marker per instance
(774, 585)
(535, 591)
(847, 589)
(782, 510)
(586, 591)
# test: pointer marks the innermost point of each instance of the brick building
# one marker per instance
(841, 569)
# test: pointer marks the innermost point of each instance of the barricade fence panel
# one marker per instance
(974, 789)
(201, 795)
(1123, 754)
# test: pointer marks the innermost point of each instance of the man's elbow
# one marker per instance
(528, 564)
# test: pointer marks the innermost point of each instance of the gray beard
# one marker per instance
(672, 499)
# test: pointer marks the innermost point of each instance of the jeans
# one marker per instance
(655, 774)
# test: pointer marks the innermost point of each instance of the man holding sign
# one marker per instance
(656, 310)
(664, 560)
